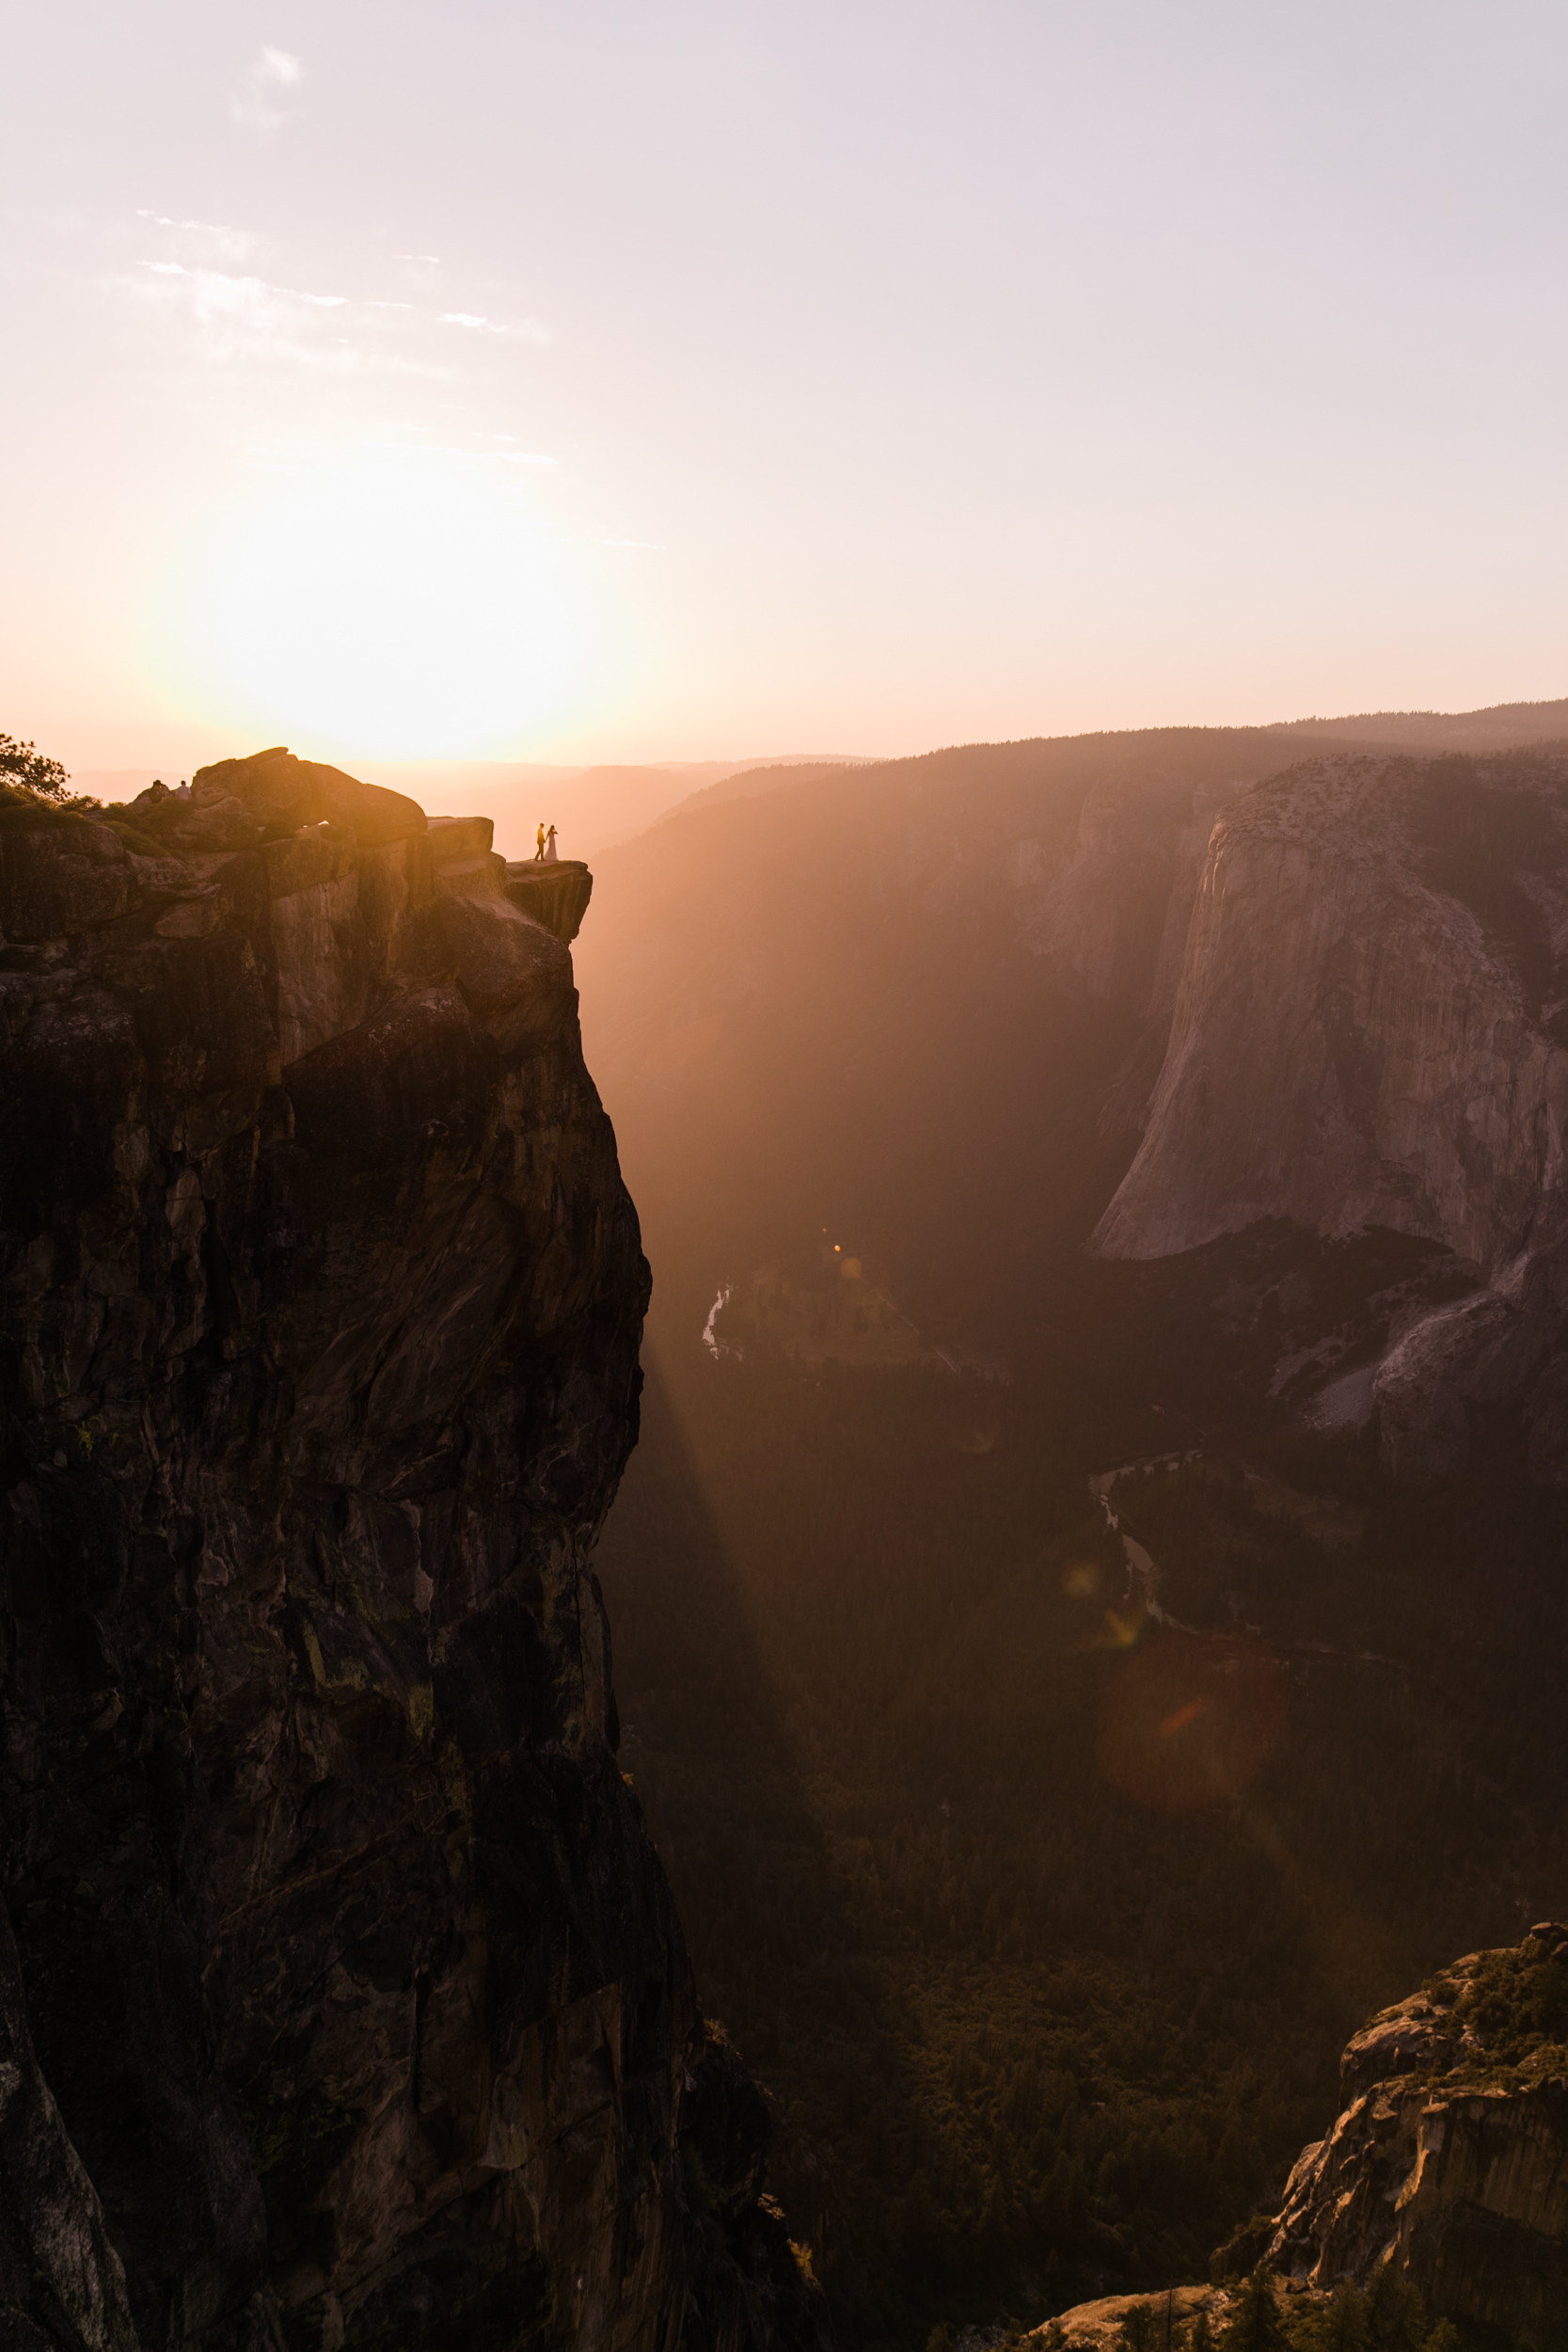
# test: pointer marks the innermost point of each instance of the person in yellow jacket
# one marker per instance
(539, 852)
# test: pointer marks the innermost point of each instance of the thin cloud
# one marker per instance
(233, 288)
(208, 228)
(431, 258)
(270, 70)
(234, 244)
(527, 330)
(241, 321)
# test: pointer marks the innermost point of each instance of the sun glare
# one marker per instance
(407, 607)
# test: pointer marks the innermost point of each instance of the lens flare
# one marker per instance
(1187, 1725)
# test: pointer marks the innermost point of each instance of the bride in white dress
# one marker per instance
(552, 855)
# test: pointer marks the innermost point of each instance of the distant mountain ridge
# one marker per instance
(1491, 729)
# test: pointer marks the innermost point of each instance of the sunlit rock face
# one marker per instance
(1369, 1031)
(1449, 2163)
(351, 2005)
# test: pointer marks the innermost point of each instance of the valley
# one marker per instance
(1046, 1915)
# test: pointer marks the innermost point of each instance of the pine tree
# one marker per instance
(1255, 2324)
(1395, 2315)
(1138, 2331)
(1340, 2326)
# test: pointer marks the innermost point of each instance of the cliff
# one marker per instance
(350, 2006)
(1449, 2163)
(1369, 1031)
(556, 894)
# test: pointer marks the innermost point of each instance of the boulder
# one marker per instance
(282, 793)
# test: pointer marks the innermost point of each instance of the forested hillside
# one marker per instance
(1046, 1921)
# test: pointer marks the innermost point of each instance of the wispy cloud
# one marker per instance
(241, 320)
(234, 244)
(162, 220)
(238, 313)
(239, 289)
(431, 260)
(270, 72)
(527, 330)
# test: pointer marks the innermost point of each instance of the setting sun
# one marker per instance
(400, 603)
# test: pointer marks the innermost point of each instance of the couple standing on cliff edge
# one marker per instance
(546, 853)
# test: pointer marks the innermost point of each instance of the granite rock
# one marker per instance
(1450, 2161)
(1369, 1032)
(350, 2007)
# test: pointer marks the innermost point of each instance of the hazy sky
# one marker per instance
(604, 380)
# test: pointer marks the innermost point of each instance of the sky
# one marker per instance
(613, 382)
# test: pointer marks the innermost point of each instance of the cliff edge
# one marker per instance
(1450, 2162)
(349, 2005)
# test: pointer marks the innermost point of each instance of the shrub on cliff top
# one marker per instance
(1516, 2002)
(1508, 2027)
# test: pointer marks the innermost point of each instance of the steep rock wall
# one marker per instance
(1450, 2162)
(347, 1963)
(1368, 1031)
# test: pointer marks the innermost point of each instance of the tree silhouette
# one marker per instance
(25, 764)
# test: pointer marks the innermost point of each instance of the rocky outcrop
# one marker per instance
(1449, 2163)
(555, 893)
(353, 2006)
(1370, 1032)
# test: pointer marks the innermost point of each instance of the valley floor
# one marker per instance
(1047, 1919)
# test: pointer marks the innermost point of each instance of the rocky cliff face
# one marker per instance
(1369, 1031)
(350, 2007)
(1449, 2163)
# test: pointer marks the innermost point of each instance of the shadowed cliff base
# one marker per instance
(707, 1741)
